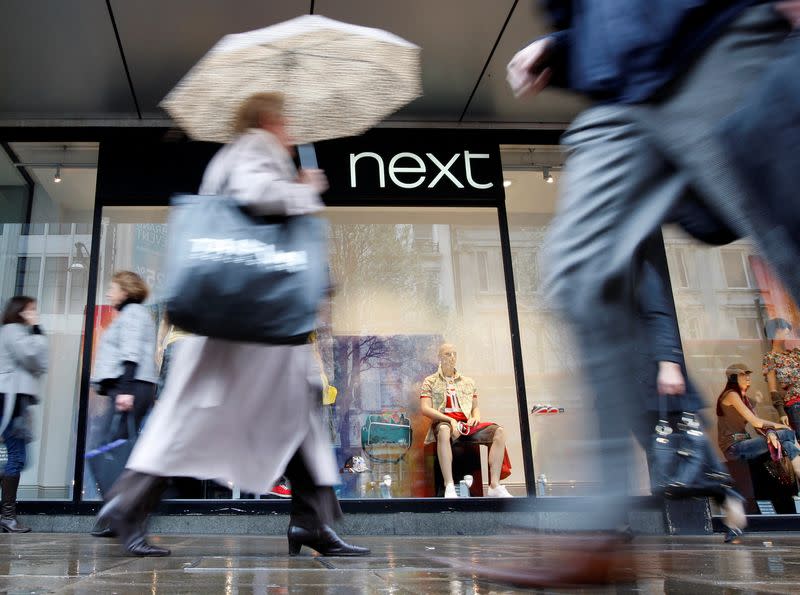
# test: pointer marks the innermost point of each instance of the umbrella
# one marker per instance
(338, 79)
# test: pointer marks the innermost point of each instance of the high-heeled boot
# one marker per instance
(8, 506)
(130, 502)
(324, 540)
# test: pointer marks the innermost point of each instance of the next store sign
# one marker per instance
(401, 163)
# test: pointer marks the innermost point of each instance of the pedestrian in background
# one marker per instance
(236, 412)
(23, 362)
(125, 367)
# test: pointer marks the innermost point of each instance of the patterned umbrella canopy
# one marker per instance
(339, 79)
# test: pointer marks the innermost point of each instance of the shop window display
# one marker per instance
(735, 313)
(45, 238)
(406, 281)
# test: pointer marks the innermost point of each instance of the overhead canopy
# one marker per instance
(117, 60)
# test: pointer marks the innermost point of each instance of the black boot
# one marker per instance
(126, 512)
(8, 506)
(102, 530)
(322, 539)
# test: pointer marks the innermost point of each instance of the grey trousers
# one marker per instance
(619, 186)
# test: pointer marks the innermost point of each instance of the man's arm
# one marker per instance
(662, 330)
(475, 414)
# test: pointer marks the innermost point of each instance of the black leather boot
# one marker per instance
(322, 539)
(127, 510)
(102, 530)
(8, 506)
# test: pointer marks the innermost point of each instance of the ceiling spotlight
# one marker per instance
(57, 177)
(547, 176)
(506, 183)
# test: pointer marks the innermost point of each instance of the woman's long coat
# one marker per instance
(237, 412)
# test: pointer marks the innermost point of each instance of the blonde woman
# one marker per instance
(239, 412)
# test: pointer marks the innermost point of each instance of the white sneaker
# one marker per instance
(499, 492)
(450, 491)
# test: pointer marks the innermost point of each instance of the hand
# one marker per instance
(772, 438)
(670, 379)
(124, 402)
(30, 316)
(527, 72)
(315, 178)
(785, 420)
(454, 431)
(473, 421)
(791, 10)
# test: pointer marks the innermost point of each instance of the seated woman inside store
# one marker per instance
(735, 411)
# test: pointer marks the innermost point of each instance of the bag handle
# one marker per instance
(116, 422)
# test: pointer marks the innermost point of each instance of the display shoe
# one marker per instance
(499, 492)
(450, 491)
(323, 540)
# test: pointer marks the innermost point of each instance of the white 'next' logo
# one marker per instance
(396, 166)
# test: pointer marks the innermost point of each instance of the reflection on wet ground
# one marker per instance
(70, 563)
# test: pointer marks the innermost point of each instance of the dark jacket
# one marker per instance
(665, 345)
(626, 51)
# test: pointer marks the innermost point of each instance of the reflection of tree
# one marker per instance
(369, 261)
(405, 360)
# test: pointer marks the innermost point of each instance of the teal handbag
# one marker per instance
(385, 433)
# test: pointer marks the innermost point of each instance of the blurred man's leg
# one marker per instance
(616, 191)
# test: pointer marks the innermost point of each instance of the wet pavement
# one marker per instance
(70, 563)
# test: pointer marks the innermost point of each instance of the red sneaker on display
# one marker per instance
(281, 490)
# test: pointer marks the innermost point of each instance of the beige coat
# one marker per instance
(237, 412)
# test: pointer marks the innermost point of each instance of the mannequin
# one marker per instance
(450, 401)
(781, 367)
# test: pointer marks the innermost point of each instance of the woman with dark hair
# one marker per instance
(735, 411)
(781, 368)
(23, 362)
(125, 366)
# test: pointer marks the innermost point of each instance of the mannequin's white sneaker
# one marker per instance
(498, 492)
(450, 491)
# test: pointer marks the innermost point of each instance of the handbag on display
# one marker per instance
(231, 275)
(388, 432)
(683, 462)
(108, 461)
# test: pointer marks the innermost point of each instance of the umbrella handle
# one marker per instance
(308, 156)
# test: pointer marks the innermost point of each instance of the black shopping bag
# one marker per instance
(231, 275)
(108, 461)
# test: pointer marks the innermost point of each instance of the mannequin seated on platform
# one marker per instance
(450, 401)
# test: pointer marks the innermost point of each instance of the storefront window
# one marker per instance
(46, 209)
(726, 310)
(407, 280)
(560, 409)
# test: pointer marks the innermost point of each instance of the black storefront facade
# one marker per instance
(436, 236)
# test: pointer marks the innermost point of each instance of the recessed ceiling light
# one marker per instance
(507, 183)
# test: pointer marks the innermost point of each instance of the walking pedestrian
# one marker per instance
(240, 412)
(124, 369)
(661, 81)
(23, 362)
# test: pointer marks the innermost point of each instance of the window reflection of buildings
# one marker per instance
(718, 306)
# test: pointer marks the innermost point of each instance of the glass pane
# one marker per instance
(42, 226)
(405, 283)
(724, 317)
(558, 402)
